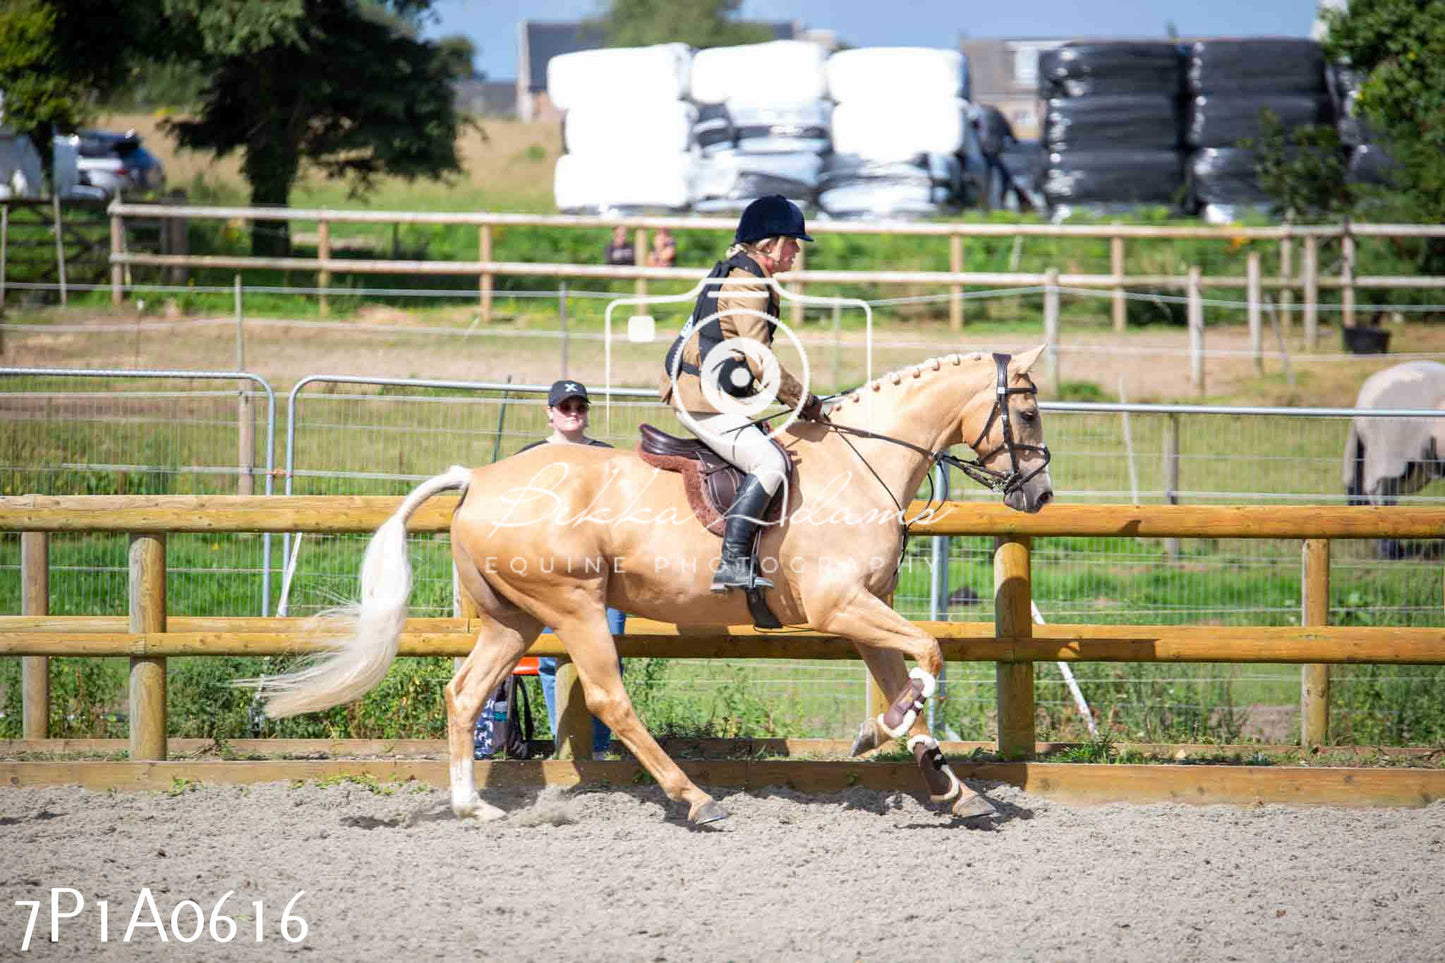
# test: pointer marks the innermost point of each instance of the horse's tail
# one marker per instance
(351, 669)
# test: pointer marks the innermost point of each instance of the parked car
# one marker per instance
(114, 163)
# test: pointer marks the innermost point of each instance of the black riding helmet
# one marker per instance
(770, 216)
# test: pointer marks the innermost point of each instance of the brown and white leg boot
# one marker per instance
(944, 787)
(905, 709)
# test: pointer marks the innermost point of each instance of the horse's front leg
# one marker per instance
(905, 716)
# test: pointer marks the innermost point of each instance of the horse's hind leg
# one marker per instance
(500, 645)
(594, 653)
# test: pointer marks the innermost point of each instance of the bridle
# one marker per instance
(1003, 482)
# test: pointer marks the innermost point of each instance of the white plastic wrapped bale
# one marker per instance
(782, 128)
(778, 72)
(645, 125)
(622, 180)
(619, 75)
(896, 73)
(889, 129)
(733, 175)
(926, 184)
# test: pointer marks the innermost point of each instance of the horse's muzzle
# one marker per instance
(1034, 495)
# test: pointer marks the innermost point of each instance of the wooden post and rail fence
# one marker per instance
(1309, 280)
(148, 636)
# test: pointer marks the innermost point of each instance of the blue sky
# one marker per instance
(492, 24)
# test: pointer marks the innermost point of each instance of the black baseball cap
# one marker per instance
(562, 390)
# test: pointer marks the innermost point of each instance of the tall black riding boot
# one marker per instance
(743, 519)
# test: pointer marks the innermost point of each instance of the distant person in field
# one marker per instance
(619, 249)
(664, 249)
(994, 137)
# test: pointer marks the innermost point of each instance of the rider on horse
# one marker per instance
(744, 306)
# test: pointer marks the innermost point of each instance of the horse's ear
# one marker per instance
(1023, 362)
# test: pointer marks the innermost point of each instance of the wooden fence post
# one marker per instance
(323, 253)
(1347, 276)
(60, 248)
(117, 270)
(1312, 292)
(35, 600)
(574, 723)
(1051, 327)
(484, 245)
(1013, 618)
(1315, 679)
(147, 674)
(1253, 297)
(639, 258)
(1196, 331)
(1286, 274)
(955, 264)
(1116, 267)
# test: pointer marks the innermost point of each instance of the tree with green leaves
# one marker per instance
(1302, 169)
(1398, 46)
(698, 23)
(330, 83)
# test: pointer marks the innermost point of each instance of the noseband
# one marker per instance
(1012, 480)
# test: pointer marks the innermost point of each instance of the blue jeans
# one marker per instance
(547, 674)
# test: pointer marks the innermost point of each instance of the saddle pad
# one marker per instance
(711, 485)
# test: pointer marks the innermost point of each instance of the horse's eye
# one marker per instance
(1028, 417)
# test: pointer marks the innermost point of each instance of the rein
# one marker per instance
(1002, 482)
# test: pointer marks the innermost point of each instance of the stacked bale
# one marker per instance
(1112, 126)
(1230, 84)
(628, 129)
(763, 123)
(900, 123)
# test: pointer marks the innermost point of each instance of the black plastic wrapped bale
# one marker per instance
(1116, 122)
(1223, 175)
(1024, 160)
(714, 129)
(1123, 67)
(1268, 63)
(1121, 177)
(1223, 120)
(1369, 164)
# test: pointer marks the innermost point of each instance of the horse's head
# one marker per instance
(1012, 447)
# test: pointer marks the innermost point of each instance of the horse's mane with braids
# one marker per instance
(909, 372)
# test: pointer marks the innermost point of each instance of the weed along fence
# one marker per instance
(147, 636)
(1285, 259)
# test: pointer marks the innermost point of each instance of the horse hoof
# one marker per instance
(973, 807)
(706, 812)
(869, 738)
(477, 809)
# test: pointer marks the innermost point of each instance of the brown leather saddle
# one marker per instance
(711, 485)
(710, 482)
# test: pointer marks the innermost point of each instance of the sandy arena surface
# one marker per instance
(608, 874)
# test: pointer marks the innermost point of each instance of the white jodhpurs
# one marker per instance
(743, 445)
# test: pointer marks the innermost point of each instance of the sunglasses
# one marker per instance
(573, 407)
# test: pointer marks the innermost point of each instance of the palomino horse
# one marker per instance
(556, 534)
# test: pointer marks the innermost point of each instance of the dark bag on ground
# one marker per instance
(505, 725)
